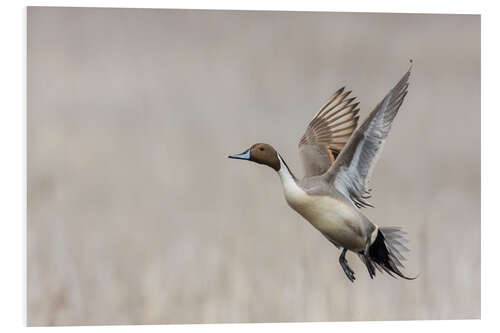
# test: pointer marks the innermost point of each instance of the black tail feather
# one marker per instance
(385, 253)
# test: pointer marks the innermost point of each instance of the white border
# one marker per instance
(13, 163)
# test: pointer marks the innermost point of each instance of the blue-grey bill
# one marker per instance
(243, 156)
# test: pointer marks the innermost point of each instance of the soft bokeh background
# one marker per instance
(135, 214)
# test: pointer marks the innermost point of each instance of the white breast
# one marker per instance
(325, 213)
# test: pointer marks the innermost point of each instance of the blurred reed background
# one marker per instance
(136, 216)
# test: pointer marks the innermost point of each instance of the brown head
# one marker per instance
(261, 153)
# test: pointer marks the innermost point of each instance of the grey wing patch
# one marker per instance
(316, 159)
(328, 132)
(352, 170)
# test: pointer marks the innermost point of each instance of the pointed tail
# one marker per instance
(385, 252)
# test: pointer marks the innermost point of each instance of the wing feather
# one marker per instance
(351, 172)
(328, 132)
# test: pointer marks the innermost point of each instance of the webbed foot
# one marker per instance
(347, 270)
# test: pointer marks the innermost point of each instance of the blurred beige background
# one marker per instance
(137, 216)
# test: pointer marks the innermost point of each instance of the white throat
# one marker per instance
(285, 175)
(293, 192)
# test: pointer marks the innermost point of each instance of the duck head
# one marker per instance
(261, 153)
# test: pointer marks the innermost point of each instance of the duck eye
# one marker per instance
(261, 148)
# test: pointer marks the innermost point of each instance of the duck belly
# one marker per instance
(341, 222)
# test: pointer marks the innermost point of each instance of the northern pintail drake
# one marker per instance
(338, 161)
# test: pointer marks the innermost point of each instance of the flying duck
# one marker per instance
(338, 160)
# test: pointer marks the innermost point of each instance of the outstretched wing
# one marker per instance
(352, 170)
(327, 133)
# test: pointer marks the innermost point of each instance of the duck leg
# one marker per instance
(347, 270)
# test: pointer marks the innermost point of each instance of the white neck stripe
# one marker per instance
(285, 174)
